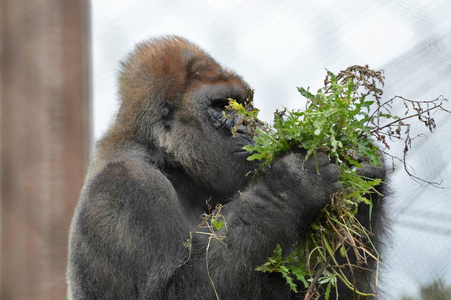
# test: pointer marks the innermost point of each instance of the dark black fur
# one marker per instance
(168, 152)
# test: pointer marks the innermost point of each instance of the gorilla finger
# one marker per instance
(322, 159)
(335, 187)
(371, 171)
(290, 163)
(331, 173)
(319, 162)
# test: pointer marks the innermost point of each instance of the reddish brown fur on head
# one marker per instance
(163, 70)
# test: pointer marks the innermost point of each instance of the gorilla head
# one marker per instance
(173, 95)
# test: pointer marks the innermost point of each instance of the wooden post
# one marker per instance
(45, 139)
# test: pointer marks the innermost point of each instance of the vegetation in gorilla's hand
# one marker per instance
(344, 119)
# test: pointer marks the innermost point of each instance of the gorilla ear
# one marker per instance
(166, 115)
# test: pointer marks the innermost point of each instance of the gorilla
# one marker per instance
(167, 157)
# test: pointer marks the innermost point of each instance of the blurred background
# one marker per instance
(60, 61)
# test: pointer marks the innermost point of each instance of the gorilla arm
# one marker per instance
(135, 213)
(127, 219)
(269, 212)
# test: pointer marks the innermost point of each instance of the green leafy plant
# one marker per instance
(290, 267)
(345, 119)
(212, 224)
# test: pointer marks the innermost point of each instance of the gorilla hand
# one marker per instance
(298, 183)
(288, 197)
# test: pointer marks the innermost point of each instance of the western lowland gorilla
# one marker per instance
(168, 157)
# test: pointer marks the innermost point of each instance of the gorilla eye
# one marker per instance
(220, 103)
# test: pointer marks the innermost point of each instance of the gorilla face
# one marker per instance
(200, 138)
(178, 93)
